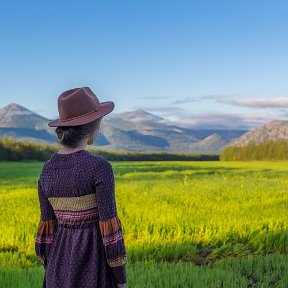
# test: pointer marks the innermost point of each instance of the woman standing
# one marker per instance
(79, 238)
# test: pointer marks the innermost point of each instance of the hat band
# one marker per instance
(80, 116)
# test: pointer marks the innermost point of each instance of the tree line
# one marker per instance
(268, 150)
(12, 149)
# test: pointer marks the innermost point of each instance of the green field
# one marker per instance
(186, 224)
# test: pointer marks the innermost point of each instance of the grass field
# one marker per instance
(186, 224)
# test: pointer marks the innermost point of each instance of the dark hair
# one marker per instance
(71, 136)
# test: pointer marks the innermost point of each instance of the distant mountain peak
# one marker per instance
(15, 109)
(15, 115)
(139, 115)
(141, 111)
(15, 106)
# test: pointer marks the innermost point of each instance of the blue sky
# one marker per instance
(204, 64)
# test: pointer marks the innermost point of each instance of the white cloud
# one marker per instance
(217, 98)
(278, 102)
(236, 100)
(214, 120)
(186, 100)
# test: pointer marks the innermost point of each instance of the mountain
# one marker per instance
(142, 131)
(130, 131)
(19, 122)
(17, 116)
(274, 130)
(213, 142)
(139, 115)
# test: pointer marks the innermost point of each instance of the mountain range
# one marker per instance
(129, 131)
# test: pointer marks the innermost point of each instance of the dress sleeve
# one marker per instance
(46, 228)
(110, 224)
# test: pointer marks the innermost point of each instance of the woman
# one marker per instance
(79, 238)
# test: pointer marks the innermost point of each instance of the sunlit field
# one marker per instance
(186, 224)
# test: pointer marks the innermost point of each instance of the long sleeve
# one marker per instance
(46, 228)
(110, 224)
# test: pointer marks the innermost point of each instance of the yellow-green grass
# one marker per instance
(190, 211)
(250, 271)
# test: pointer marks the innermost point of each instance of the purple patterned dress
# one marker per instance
(79, 238)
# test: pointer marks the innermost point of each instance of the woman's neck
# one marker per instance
(66, 150)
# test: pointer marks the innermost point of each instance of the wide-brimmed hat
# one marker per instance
(80, 106)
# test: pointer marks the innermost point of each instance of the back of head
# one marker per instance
(71, 136)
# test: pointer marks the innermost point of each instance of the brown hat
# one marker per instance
(79, 106)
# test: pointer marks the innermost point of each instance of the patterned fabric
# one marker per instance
(112, 237)
(46, 228)
(44, 239)
(75, 211)
(79, 238)
(73, 203)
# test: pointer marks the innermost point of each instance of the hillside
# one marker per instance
(272, 131)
